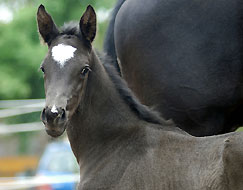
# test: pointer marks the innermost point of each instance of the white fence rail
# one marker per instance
(17, 128)
(9, 108)
(20, 103)
(18, 107)
(17, 183)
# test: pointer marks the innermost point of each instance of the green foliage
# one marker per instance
(20, 49)
(20, 56)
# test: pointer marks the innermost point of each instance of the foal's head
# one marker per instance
(65, 67)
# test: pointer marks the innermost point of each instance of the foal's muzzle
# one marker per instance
(54, 121)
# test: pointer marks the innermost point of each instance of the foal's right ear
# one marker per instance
(46, 26)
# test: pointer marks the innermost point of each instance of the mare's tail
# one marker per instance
(109, 44)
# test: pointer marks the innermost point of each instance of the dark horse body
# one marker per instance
(184, 57)
(119, 143)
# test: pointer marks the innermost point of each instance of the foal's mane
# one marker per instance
(142, 111)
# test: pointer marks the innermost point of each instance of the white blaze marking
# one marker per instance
(54, 109)
(62, 53)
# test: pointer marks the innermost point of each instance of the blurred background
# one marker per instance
(29, 159)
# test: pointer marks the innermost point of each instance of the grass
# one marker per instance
(240, 129)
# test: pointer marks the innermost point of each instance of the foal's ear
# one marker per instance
(87, 24)
(46, 26)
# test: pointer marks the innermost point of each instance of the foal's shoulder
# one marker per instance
(233, 159)
(157, 136)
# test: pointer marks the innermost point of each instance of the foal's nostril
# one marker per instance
(43, 115)
(63, 115)
(50, 116)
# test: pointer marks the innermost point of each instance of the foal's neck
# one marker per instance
(103, 116)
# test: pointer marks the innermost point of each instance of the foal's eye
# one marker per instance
(85, 70)
(42, 69)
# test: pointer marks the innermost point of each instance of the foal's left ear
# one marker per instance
(87, 24)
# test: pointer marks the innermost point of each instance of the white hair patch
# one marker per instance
(54, 109)
(62, 53)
